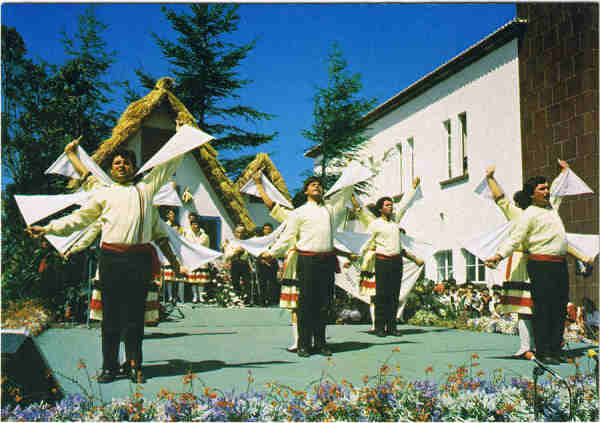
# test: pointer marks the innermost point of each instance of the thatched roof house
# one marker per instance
(257, 210)
(148, 123)
(263, 162)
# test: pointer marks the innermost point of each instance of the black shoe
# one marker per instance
(323, 350)
(107, 376)
(393, 332)
(547, 359)
(380, 333)
(302, 352)
(124, 370)
(561, 356)
(136, 376)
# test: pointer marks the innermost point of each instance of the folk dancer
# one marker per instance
(517, 297)
(125, 211)
(267, 275)
(241, 274)
(199, 277)
(541, 232)
(168, 276)
(368, 286)
(309, 230)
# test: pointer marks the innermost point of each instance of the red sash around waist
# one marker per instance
(546, 257)
(388, 258)
(136, 248)
(321, 255)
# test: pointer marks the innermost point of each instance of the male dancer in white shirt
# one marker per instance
(125, 211)
(542, 234)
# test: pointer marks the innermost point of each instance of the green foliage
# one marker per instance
(337, 112)
(205, 68)
(44, 107)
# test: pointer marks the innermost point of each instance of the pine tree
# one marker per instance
(205, 68)
(337, 112)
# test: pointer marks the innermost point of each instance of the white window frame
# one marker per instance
(462, 120)
(448, 126)
(472, 262)
(401, 167)
(410, 142)
(444, 265)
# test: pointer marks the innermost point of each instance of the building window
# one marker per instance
(444, 265)
(400, 168)
(462, 119)
(411, 158)
(475, 268)
(448, 128)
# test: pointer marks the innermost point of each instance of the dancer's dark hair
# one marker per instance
(523, 198)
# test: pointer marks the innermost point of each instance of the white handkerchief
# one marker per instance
(410, 275)
(568, 183)
(184, 140)
(588, 245)
(167, 196)
(420, 249)
(63, 243)
(257, 245)
(484, 190)
(275, 195)
(37, 207)
(348, 279)
(485, 245)
(352, 175)
(351, 241)
(63, 166)
(191, 255)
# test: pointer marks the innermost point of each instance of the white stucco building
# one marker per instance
(447, 128)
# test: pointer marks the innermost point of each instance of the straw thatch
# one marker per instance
(263, 161)
(133, 119)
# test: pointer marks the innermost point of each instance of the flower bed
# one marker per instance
(461, 395)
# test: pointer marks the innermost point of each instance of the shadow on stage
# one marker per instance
(412, 331)
(179, 367)
(148, 336)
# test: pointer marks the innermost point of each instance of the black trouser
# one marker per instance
(240, 269)
(315, 281)
(388, 276)
(267, 278)
(124, 278)
(550, 295)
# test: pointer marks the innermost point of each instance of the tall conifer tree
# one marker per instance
(205, 67)
(337, 111)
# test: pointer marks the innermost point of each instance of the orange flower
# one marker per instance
(429, 370)
(81, 364)
(475, 356)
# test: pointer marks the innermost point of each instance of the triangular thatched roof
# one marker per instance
(130, 123)
(262, 160)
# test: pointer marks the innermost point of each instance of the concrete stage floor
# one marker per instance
(222, 345)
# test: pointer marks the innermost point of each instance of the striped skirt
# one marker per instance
(151, 313)
(367, 284)
(289, 294)
(516, 290)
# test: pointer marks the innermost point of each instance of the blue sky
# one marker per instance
(390, 45)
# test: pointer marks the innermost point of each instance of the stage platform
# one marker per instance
(221, 346)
